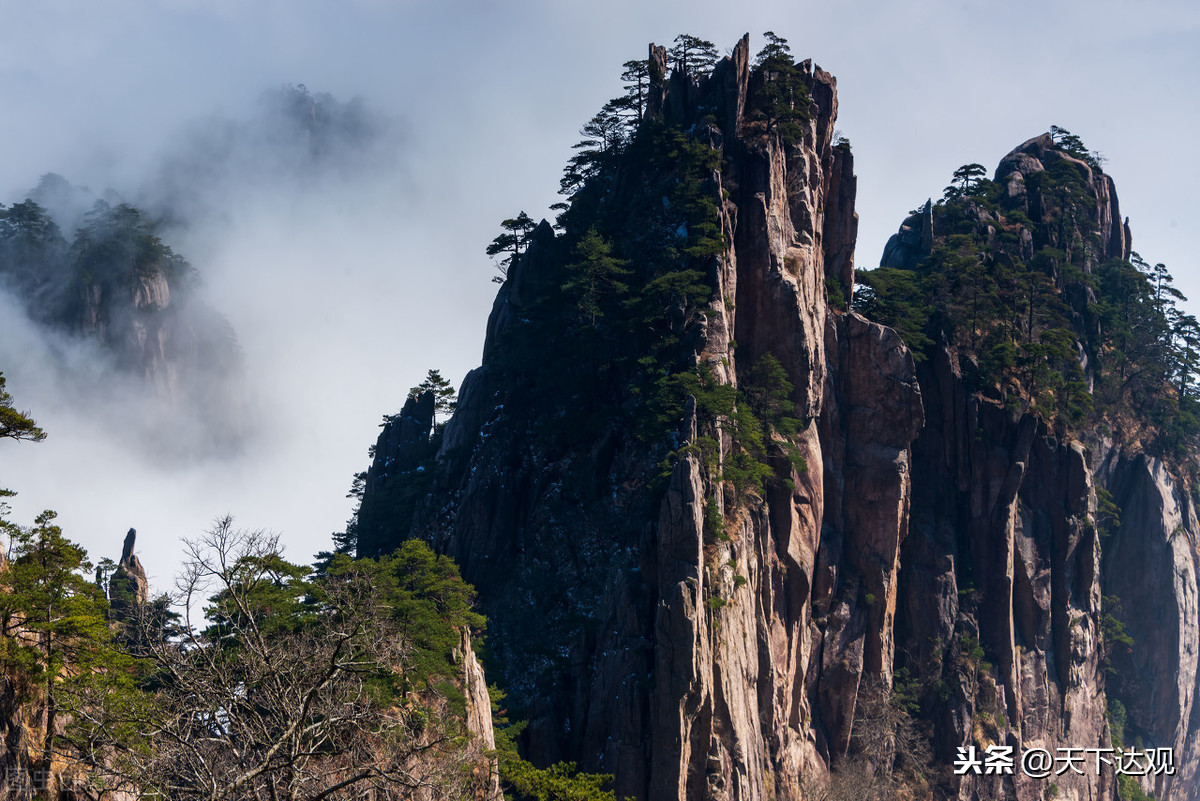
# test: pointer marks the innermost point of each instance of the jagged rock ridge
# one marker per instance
(701, 642)
(1006, 504)
(655, 658)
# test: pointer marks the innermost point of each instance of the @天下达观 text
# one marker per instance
(1041, 763)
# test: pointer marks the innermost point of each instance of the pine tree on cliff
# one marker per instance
(1074, 146)
(595, 277)
(605, 135)
(31, 245)
(15, 424)
(783, 100)
(965, 177)
(511, 243)
(693, 55)
(636, 80)
(118, 242)
(1186, 347)
(34, 260)
(444, 396)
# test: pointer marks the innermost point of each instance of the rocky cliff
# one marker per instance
(707, 593)
(1015, 524)
(129, 307)
(1151, 564)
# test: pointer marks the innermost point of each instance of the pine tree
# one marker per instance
(511, 243)
(14, 424)
(1074, 146)
(605, 136)
(1186, 333)
(597, 274)
(783, 100)
(444, 396)
(118, 242)
(965, 177)
(56, 631)
(693, 55)
(33, 257)
(28, 221)
(636, 79)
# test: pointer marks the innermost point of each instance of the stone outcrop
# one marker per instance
(185, 353)
(128, 586)
(912, 243)
(841, 220)
(133, 321)
(478, 722)
(397, 454)
(1033, 157)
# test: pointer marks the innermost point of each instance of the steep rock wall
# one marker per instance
(633, 639)
(1003, 556)
(183, 350)
(1151, 563)
(934, 531)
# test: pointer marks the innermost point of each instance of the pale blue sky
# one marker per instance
(344, 298)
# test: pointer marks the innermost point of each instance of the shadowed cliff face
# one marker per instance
(1004, 550)
(702, 639)
(635, 639)
(1151, 564)
(1005, 556)
(1002, 556)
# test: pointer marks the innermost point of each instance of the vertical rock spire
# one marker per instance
(128, 585)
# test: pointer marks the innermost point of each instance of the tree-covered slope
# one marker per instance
(1031, 279)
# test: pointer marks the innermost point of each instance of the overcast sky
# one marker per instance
(344, 292)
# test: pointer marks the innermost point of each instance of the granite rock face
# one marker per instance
(1001, 567)
(184, 353)
(700, 645)
(1032, 157)
(912, 243)
(1151, 563)
(636, 642)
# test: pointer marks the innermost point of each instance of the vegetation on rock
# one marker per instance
(1043, 319)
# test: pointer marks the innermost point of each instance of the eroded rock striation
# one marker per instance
(704, 637)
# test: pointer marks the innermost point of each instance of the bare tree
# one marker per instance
(288, 689)
(888, 760)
